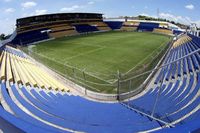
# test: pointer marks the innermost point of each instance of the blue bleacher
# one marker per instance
(30, 37)
(177, 32)
(18, 53)
(190, 127)
(179, 97)
(176, 104)
(21, 124)
(184, 66)
(84, 28)
(114, 25)
(147, 26)
(70, 111)
(20, 113)
(175, 91)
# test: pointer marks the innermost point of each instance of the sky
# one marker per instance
(183, 11)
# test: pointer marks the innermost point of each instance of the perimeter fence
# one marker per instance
(116, 83)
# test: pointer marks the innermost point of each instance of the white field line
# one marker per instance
(82, 54)
(82, 43)
(86, 44)
(143, 60)
(52, 59)
(139, 63)
(32, 47)
(91, 51)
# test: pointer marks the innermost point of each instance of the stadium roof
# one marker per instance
(60, 14)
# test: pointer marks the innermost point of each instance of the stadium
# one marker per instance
(80, 72)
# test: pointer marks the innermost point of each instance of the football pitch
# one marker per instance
(96, 58)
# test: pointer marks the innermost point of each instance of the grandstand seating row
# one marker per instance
(65, 27)
(177, 32)
(30, 37)
(14, 51)
(15, 67)
(181, 41)
(143, 26)
(62, 30)
(43, 26)
(59, 30)
(55, 112)
(101, 26)
(114, 25)
(176, 96)
(84, 28)
(44, 32)
(163, 31)
(161, 28)
(176, 100)
(28, 104)
(62, 33)
(130, 26)
(181, 47)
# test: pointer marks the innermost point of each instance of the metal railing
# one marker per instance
(100, 82)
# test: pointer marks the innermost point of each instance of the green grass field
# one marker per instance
(98, 57)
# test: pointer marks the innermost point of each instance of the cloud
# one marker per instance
(36, 12)
(69, 9)
(8, 25)
(180, 19)
(28, 4)
(91, 2)
(40, 12)
(190, 7)
(7, 0)
(77, 7)
(9, 10)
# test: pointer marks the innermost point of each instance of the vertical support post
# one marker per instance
(118, 85)
(84, 75)
(65, 70)
(85, 82)
(73, 70)
(159, 92)
(130, 85)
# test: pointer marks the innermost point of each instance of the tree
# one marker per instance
(2, 36)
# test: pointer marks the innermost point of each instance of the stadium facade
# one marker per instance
(66, 24)
(33, 100)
